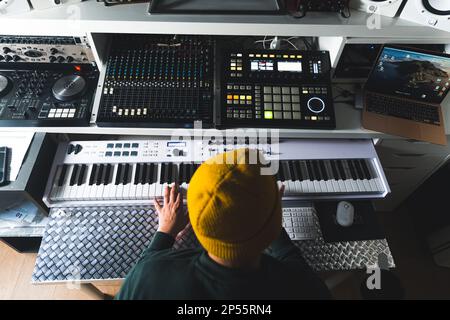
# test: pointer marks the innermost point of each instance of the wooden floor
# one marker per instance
(15, 280)
(420, 277)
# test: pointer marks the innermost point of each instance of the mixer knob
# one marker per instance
(8, 58)
(70, 59)
(60, 59)
(177, 152)
(52, 59)
(2, 58)
(16, 58)
(53, 51)
(6, 50)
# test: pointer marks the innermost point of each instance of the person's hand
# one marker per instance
(282, 187)
(172, 217)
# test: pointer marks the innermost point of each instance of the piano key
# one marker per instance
(82, 176)
(366, 173)
(358, 168)
(309, 169)
(138, 173)
(341, 170)
(144, 170)
(127, 174)
(62, 175)
(352, 169)
(323, 169)
(304, 170)
(315, 168)
(109, 190)
(286, 171)
(169, 173)
(334, 169)
(65, 190)
(162, 173)
(132, 185)
(99, 175)
(92, 174)
(118, 174)
(347, 172)
(74, 175)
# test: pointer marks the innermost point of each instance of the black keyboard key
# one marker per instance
(119, 174)
(82, 175)
(304, 170)
(341, 170)
(323, 170)
(309, 168)
(127, 174)
(294, 170)
(316, 170)
(99, 176)
(137, 174)
(359, 171)
(73, 176)
(162, 174)
(92, 178)
(62, 175)
(108, 174)
(334, 169)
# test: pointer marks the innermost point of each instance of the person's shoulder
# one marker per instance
(298, 279)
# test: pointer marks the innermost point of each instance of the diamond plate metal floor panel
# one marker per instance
(103, 243)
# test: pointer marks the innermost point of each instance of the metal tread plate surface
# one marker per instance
(104, 243)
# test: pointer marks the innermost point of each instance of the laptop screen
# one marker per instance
(411, 74)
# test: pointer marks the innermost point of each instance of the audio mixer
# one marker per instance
(46, 94)
(270, 88)
(158, 81)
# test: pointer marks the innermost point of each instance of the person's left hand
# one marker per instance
(172, 217)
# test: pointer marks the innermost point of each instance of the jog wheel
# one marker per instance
(69, 87)
(4, 85)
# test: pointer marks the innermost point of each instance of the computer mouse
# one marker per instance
(345, 214)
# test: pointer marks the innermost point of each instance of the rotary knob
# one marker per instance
(8, 58)
(60, 59)
(6, 50)
(52, 59)
(53, 51)
(70, 59)
(16, 58)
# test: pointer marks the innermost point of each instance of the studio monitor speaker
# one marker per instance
(388, 8)
(9, 7)
(433, 13)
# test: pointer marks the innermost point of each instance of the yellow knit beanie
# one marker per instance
(234, 210)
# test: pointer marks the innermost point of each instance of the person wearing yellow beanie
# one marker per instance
(235, 213)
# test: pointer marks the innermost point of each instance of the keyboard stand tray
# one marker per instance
(90, 244)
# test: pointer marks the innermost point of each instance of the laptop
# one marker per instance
(404, 92)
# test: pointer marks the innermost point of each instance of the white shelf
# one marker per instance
(348, 126)
(91, 16)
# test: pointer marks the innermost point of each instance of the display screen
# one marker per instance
(176, 144)
(261, 65)
(411, 74)
(289, 66)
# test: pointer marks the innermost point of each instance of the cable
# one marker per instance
(289, 41)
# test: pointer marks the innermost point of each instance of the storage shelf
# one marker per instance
(348, 126)
(91, 16)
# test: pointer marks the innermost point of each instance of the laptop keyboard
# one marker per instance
(399, 108)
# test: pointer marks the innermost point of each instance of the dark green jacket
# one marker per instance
(164, 273)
